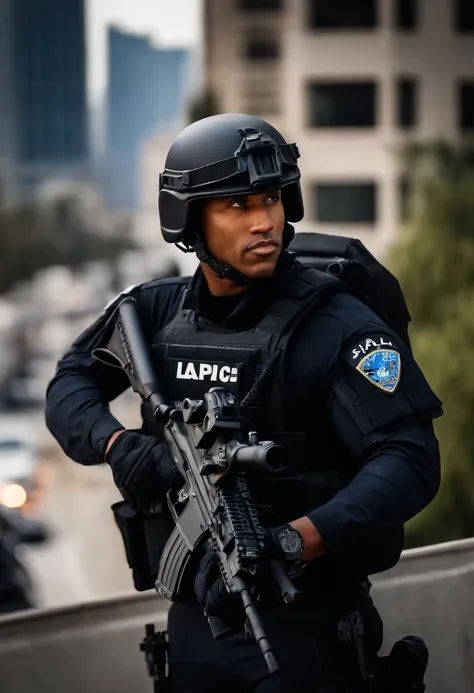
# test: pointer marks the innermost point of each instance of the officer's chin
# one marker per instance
(262, 269)
(259, 268)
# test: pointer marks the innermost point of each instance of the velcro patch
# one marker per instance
(377, 358)
(382, 367)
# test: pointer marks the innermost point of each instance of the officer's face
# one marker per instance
(245, 231)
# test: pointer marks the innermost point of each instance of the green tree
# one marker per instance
(434, 260)
(33, 237)
(203, 105)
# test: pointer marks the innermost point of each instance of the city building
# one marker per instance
(147, 92)
(350, 82)
(43, 118)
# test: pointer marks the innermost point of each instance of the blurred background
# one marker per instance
(378, 95)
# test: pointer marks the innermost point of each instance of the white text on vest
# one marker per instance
(206, 371)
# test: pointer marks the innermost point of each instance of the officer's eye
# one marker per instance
(238, 203)
(274, 197)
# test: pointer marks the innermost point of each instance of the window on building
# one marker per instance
(406, 14)
(407, 102)
(259, 5)
(342, 14)
(466, 105)
(464, 16)
(261, 99)
(262, 48)
(342, 104)
(346, 203)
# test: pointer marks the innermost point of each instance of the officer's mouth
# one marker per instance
(266, 247)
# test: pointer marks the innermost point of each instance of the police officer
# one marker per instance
(314, 369)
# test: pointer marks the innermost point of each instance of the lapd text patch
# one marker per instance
(213, 372)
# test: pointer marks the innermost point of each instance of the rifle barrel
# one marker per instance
(256, 625)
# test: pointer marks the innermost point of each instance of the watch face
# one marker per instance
(290, 541)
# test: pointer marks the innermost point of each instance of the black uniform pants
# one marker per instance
(304, 637)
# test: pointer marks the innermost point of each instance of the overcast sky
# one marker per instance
(169, 22)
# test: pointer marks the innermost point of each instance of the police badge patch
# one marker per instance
(382, 367)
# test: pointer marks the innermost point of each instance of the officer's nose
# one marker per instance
(261, 222)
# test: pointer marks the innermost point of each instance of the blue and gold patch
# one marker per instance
(381, 367)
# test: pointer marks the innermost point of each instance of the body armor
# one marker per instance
(192, 355)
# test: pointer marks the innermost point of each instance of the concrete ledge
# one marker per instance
(94, 647)
(430, 593)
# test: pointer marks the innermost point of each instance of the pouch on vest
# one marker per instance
(190, 370)
(144, 536)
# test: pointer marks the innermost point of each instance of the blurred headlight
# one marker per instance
(12, 496)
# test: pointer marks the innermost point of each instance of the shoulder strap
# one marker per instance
(303, 287)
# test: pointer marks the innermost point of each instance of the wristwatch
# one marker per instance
(290, 542)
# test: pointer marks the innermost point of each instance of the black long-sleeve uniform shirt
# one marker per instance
(388, 435)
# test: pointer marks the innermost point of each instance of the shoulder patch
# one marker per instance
(382, 367)
(377, 359)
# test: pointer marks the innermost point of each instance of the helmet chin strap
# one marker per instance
(226, 271)
(223, 271)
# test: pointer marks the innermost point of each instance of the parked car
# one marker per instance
(21, 481)
(16, 586)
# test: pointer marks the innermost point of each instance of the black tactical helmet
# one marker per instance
(224, 155)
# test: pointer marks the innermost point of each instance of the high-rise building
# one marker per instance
(349, 82)
(43, 116)
(147, 91)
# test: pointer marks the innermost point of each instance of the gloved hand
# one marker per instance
(142, 468)
(212, 594)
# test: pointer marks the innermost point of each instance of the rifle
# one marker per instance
(214, 508)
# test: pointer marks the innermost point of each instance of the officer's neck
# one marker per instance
(218, 286)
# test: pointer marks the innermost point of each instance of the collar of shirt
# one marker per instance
(239, 311)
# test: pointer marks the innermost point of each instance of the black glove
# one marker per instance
(142, 468)
(212, 593)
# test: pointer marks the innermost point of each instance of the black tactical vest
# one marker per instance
(192, 354)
